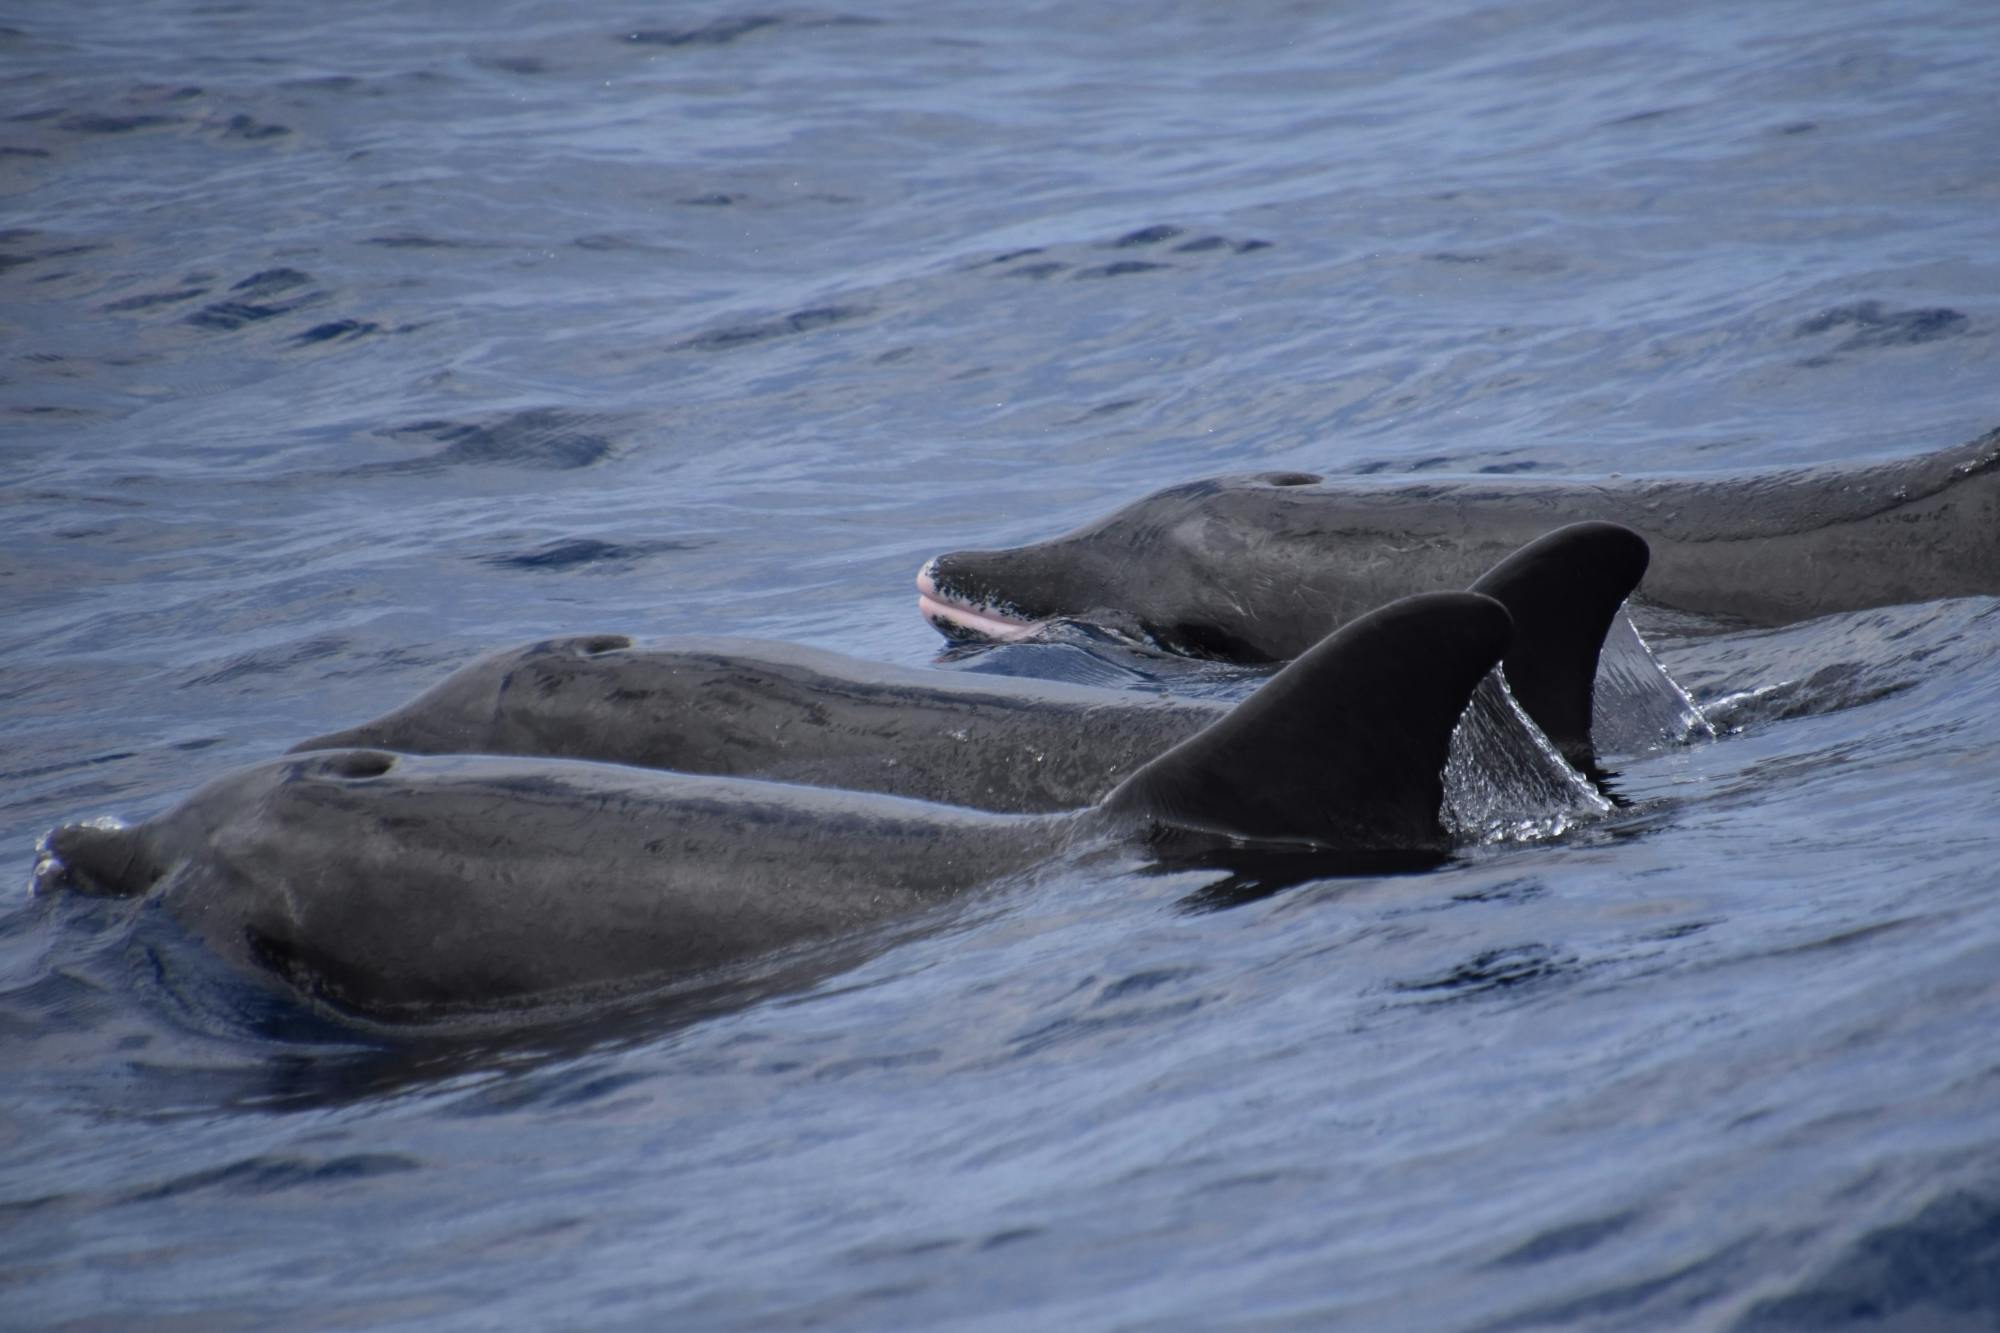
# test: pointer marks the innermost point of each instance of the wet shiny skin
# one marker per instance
(492, 324)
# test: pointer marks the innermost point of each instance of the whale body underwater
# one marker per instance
(750, 708)
(395, 887)
(1255, 568)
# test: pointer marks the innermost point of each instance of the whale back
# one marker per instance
(788, 713)
(397, 885)
(1253, 567)
(1344, 748)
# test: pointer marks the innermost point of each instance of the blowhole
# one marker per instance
(1291, 479)
(602, 643)
(359, 764)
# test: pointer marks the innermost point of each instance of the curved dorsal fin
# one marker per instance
(1562, 591)
(1343, 748)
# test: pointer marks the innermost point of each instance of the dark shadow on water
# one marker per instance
(546, 438)
(1606, 780)
(1080, 653)
(1938, 1269)
(1250, 874)
(1493, 970)
(570, 554)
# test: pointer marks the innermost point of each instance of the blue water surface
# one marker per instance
(340, 344)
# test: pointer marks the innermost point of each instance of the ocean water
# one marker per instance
(339, 344)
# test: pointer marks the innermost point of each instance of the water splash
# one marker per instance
(1638, 706)
(1504, 781)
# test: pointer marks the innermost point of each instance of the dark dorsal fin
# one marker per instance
(1343, 748)
(1563, 590)
(101, 861)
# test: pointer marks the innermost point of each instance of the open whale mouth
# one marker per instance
(957, 618)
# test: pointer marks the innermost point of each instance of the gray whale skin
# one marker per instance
(1255, 568)
(751, 708)
(395, 887)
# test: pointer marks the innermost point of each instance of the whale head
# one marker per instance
(108, 858)
(1199, 569)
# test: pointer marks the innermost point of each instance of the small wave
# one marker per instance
(1875, 326)
(799, 321)
(1491, 970)
(540, 437)
(1839, 662)
(584, 552)
(270, 1174)
(1933, 1270)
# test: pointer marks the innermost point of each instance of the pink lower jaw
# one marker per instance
(950, 616)
(967, 621)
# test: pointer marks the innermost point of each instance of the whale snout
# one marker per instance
(958, 614)
(100, 858)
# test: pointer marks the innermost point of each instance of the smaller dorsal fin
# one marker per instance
(1345, 747)
(1562, 591)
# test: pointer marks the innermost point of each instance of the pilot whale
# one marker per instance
(393, 886)
(782, 712)
(1255, 568)
(748, 708)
